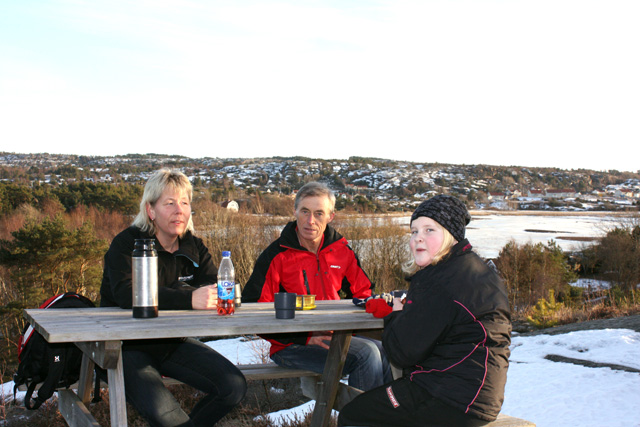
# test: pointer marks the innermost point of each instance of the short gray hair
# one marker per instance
(155, 186)
(315, 189)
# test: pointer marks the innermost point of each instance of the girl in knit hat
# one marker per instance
(452, 336)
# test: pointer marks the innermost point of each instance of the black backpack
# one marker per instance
(54, 365)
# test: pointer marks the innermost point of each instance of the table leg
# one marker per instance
(86, 379)
(117, 400)
(328, 385)
(108, 355)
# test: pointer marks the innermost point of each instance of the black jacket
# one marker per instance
(453, 335)
(179, 273)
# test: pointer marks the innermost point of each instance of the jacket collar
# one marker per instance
(289, 237)
(459, 249)
(187, 245)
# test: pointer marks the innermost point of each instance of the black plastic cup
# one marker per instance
(285, 305)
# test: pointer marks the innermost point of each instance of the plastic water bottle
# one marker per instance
(226, 285)
(144, 272)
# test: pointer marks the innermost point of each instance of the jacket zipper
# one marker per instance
(319, 273)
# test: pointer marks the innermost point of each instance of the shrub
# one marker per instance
(544, 312)
(531, 270)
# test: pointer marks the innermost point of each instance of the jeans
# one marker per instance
(366, 364)
(193, 363)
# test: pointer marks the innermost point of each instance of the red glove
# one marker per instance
(378, 307)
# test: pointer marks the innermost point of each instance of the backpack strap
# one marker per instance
(27, 397)
(96, 387)
(56, 367)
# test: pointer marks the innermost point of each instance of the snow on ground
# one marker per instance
(553, 394)
(562, 394)
(548, 393)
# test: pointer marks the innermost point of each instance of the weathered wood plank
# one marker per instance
(328, 385)
(507, 421)
(106, 323)
(85, 380)
(266, 371)
(309, 385)
(345, 394)
(113, 325)
(117, 402)
(74, 411)
(263, 371)
(104, 353)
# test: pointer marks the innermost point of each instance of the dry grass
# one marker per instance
(568, 315)
(381, 246)
(246, 236)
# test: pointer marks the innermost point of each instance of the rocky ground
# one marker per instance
(626, 322)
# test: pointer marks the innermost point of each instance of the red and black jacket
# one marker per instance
(282, 267)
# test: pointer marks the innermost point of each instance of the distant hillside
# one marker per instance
(373, 184)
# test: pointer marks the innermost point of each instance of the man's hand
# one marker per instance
(321, 338)
(205, 298)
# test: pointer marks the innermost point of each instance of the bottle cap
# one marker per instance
(226, 253)
(144, 244)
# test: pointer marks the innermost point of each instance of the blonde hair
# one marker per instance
(410, 267)
(155, 186)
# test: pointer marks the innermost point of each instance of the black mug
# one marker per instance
(285, 305)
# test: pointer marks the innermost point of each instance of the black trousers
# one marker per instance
(402, 403)
(193, 363)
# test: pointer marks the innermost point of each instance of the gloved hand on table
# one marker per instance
(378, 307)
(360, 302)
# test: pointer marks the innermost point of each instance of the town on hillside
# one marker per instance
(371, 184)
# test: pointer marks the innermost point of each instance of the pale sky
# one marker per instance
(504, 82)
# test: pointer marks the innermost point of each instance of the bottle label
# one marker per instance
(226, 289)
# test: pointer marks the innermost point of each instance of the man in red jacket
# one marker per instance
(310, 250)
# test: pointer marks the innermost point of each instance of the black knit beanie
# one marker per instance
(447, 211)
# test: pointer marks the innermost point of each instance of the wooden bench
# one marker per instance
(308, 381)
(309, 385)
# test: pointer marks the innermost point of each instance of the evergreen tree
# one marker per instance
(45, 259)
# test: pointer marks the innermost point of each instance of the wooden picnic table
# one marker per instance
(99, 333)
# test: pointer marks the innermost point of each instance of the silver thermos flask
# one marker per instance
(144, 266)
(238, 295)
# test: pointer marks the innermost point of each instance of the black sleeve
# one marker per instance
(410, 335)
(253, 288)
(207, 272)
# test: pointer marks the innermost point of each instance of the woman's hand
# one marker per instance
(205, 298)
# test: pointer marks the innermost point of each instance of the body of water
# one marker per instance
(489, 233)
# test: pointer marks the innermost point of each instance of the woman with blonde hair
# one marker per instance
(451, 338)
(186, 280)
